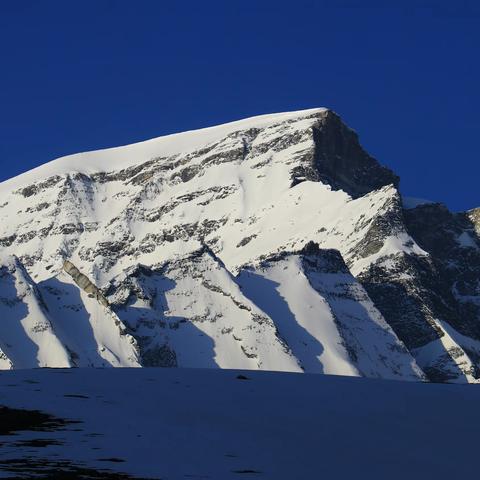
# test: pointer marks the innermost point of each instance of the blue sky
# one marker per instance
(79, 76)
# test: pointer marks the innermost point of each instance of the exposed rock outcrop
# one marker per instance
(84, 283)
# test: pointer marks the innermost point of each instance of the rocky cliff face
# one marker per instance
(271, 243)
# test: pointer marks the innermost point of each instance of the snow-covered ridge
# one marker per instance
(176, 243)
(118, 158)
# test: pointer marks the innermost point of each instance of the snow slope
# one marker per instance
(352, 338)
(183, 423)
(27, 337)
(93, 334)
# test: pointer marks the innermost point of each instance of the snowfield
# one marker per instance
(175, 424)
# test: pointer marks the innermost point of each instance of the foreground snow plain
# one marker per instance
(173, 424)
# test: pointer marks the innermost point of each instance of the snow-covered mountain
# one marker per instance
(274, 242)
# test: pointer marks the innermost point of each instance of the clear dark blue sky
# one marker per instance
(84, 75)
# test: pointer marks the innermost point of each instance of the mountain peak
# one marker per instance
(117, 158)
